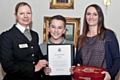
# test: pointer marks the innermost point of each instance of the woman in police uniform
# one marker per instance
(21, 57)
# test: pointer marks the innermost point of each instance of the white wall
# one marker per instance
(41, 8)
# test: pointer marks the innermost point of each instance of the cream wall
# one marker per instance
(41, 8)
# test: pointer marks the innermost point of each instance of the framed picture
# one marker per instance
(61, 4)
(72, 29)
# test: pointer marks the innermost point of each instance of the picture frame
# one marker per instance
(72, 29)
(61, 4)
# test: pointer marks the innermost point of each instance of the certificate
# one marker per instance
(60, 58)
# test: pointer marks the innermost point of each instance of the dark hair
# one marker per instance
(21, 4)
(58, 17)
(100, 30)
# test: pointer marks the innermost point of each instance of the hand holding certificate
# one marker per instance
(60, 59)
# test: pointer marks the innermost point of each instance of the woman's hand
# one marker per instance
(107, 75)
(40, 64)
(47, 70)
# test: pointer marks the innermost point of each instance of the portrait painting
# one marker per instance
(62, 1)
(61, 4)
(69, 32)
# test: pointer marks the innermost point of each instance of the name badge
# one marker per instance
(23, 45)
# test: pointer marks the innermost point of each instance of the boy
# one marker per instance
(56, 30)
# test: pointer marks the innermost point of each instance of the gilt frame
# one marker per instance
(61, 4)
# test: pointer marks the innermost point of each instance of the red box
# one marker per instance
(88, 73)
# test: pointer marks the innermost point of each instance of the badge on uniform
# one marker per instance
(23, 45)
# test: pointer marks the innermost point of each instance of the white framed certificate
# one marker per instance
(60, 57)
